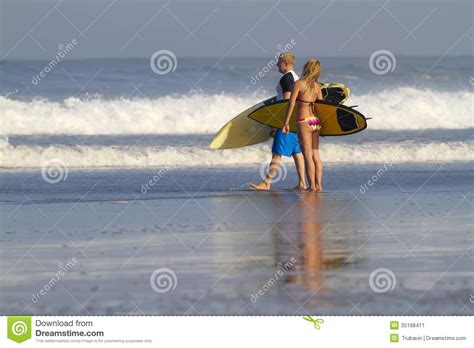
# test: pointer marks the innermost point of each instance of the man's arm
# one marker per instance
(291, 106)
(287, 83)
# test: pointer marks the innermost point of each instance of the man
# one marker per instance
(284, 144)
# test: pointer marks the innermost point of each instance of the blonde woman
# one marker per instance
(306, 91)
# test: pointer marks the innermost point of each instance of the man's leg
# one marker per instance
(267, 182)
(299, 164)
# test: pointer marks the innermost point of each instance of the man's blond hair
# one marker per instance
(287, 57)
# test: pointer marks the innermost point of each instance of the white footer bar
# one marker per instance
(237, 331)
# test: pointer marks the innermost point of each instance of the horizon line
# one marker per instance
(240, 57)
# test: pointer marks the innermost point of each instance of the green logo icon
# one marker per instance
(393, 338)
(19, 328)
(394, 325)
(316, 322)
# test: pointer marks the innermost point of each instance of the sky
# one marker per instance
(37, 29)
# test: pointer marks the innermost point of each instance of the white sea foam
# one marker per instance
(411, 109)
(403, 108)
(26, 156)
(196, 113)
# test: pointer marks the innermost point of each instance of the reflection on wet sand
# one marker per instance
(234, 260)
(308, 226)
(309, 268)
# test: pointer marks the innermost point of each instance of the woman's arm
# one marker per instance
(320, 94)
(291, 106)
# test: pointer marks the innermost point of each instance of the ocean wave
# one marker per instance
(411, 109)
(402, 108)
(27, 156)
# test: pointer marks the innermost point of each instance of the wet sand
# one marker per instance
(241, 253)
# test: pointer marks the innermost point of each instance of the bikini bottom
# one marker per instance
(312, 121)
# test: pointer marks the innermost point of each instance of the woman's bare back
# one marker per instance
(306, 98)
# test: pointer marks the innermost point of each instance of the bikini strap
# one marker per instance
(304, 101)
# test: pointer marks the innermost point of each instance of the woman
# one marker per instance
(306, 91)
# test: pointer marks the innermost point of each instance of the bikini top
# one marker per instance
(310, 104)
(304, 101)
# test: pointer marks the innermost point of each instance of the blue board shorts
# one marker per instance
(285, 144)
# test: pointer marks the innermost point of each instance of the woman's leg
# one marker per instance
(317, 161)
(305, 138)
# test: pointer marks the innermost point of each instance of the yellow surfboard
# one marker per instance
(242, 131)
(335, 119)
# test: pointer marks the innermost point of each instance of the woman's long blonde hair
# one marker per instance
(311, 71)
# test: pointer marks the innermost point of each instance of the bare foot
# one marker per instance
(261, 186)
(300, 187)
(316, 189)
